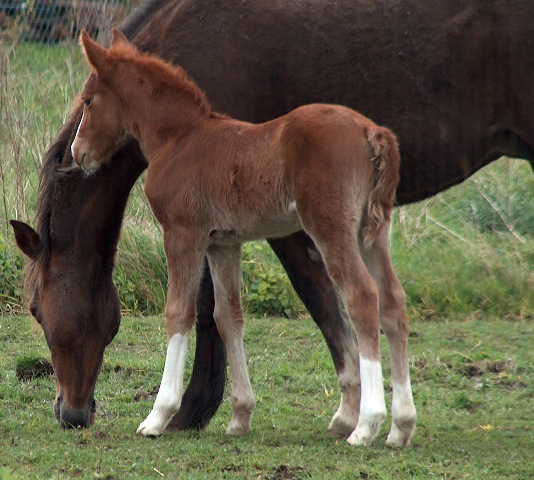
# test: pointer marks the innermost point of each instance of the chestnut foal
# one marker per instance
(214, 183)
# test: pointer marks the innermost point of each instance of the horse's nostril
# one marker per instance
(74, 418)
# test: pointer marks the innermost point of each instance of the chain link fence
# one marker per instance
(58, 20)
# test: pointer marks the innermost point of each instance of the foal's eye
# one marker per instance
(87, 101)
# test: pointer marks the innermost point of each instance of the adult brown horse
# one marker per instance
(215, 183)
(454, 80)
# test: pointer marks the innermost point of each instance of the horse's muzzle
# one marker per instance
(74, 418)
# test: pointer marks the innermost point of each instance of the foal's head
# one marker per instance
(124, 83)
(103, 127)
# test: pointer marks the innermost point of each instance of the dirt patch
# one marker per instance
(29, 368)
(146, 395)
(485, 367)
(285, 472)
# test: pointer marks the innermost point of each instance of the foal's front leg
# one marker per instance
(184, 266)
(224, 262)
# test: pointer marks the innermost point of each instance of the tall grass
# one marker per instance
(468, 251)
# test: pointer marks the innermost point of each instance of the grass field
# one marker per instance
(473, 388)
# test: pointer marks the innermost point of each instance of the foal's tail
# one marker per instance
(385, 157)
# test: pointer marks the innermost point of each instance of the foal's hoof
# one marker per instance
(365, 432)
(339, 428)
(363, 440)
(237, 428)
(401, 434)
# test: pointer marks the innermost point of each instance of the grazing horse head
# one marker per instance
(69, 280)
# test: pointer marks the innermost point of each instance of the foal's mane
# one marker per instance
(160, 73)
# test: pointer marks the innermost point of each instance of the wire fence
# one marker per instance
(59, 20)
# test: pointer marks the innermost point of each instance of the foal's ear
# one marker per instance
(27, 238)
(95, 55)
(118, 39)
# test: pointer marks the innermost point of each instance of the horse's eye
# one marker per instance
(87, 101)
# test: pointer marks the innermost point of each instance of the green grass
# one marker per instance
(473, 388)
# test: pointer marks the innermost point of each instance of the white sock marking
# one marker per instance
(373, 405)
(372, 388)
(170, 391)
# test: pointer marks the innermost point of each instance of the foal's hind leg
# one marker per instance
(224, 262)
(339, 248)
(392, 307)
(306, 270)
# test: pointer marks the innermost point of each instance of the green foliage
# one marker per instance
(266, 288)
(141, 273)
(11, 267)
(452, 261)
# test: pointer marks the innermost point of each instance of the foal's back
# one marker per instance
(249, 181)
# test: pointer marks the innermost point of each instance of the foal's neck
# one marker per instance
(166, 115)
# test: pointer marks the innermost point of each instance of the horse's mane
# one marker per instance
(48, 176)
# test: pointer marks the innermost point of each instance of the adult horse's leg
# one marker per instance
(392, 311)
(206, 387)
(308, 275)
(224, 264)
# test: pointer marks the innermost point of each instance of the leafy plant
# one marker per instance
(11, 267)
(266, 289)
